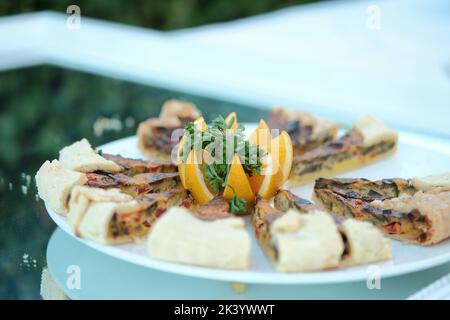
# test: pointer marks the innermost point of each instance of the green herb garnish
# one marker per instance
(237, 205)
(223, 144)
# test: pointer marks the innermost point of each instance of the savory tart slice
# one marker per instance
(108, 220)
(55, 182)
(135, 166)
(82, 197)
(137, 184)
(181, 237)
(156, 138)
(363, 242)
(368, 141)
(307, 131)
(415, 210)
(297, 242)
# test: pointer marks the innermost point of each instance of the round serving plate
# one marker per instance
(417, 156)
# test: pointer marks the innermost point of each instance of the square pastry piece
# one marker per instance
(411, 210)
(369, 140)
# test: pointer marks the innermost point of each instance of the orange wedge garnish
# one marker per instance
(201, 125)
(232, 117)
(238, 184)
(273, 177)
(261, 136)
(181, 164)
(282, 146)
(195, 179)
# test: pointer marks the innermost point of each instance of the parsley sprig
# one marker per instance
(237, 205)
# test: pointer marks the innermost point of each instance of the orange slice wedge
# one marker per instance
(232, 118)
(261, 136)
(282, 147)
(238, 184)
(195, 179)
(273, 177)
(201, 125)
(181, 164)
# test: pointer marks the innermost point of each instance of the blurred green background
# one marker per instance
(44, 108)
(156, 14)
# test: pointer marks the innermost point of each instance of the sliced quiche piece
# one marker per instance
(411, 210)
(181, 237)
(110, 220)
(363, 242)
(307, 131)
(296, 242)
(368, 141)
(135, 166)
(137, 184)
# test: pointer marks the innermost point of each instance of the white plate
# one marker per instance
(416, 155)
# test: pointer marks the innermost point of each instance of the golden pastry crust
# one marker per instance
(55, 182)
(80, 156)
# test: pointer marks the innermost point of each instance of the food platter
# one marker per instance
(416, 156)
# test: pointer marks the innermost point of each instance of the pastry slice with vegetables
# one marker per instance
(306, 130)
(296, 236)
(363, 242)
(113, 217)
(156, 138)
(368, 141)
(412, 210)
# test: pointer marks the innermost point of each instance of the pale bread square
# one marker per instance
(80, 156)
